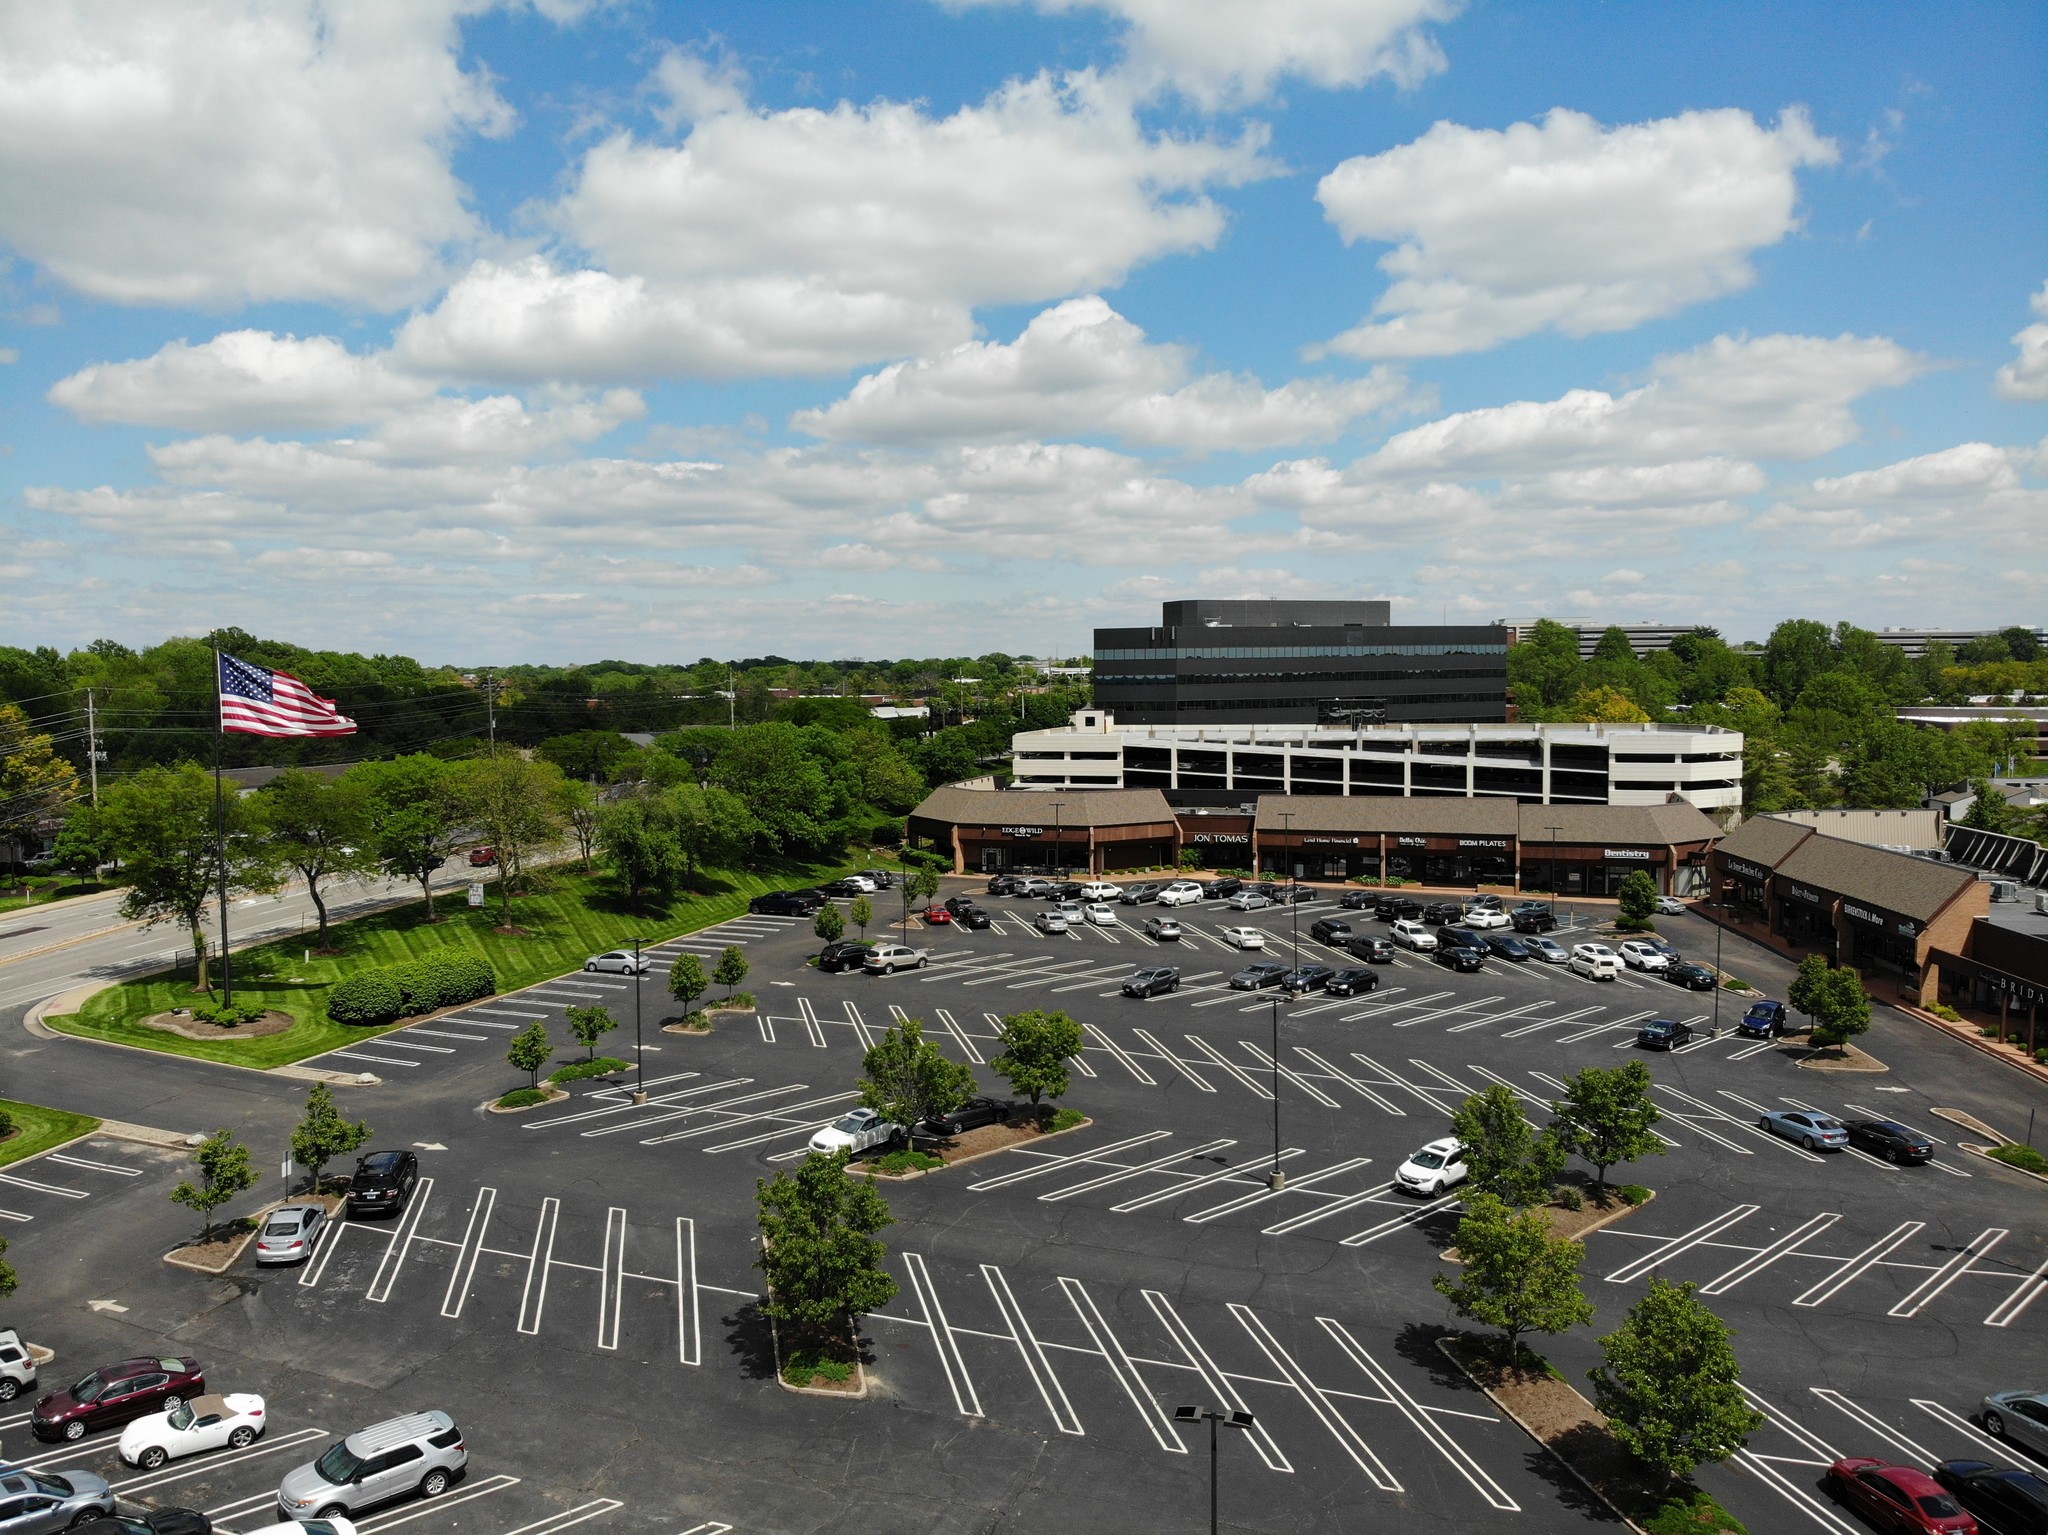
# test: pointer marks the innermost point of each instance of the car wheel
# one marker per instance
(242, 1437)
(332, 1511)
(173, 1402)
(1763, 1124)
(74, 1429)
(590, 969)
(1807, 1142)
(923, 962)
(86, 1516)
(152, 1457)
(1892, 1156)
(433, 1484)
(1994, 1425)
(9, 1390)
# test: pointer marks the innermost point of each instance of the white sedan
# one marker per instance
(1485, 916)
(1101, 915)
(204, 1423)
(856, 1131)
(1243, 937)
(619, 962)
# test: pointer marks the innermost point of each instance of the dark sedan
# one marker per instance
(1352, 981)
(1458, 956)
(116, 1393)
(1889, 1139)
(785, 903)
(1664, 1034)
(1357, 900)
(1507, 946)
(971, 1115)
(842, 887)
(1397, 908)
(1292, 895)
(1306, 978)
(971, 917)
(1375, 951)
(1689, 975)
(151, 1521)
(1329, 930)
(1152, 982)
(1258, 977)
(2005, 1501)
(1216, 889)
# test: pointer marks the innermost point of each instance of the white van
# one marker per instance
(1596, 962)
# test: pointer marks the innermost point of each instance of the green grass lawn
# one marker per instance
(571, 918)
(42, 889)
(37, 1129)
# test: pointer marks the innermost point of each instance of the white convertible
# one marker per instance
(204, 1423)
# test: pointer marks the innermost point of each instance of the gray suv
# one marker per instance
(41, 1502)
(419, 1453)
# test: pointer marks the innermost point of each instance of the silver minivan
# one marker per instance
(421, 1452)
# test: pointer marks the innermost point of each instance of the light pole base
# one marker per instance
(1276, 1180)
(640, 1095)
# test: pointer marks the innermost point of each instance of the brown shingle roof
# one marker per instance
(1912, 887)
(1442, 815)
(1765, 840)
(1077, 807)
(1618, 825)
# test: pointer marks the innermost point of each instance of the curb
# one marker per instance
(858, 1171)
(555, 1095)
(1450, 1254)
(1967, 1033)
(1969, 1122)
(1985, 1152)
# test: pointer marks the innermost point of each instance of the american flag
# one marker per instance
(257, 701)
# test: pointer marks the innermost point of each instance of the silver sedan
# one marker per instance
(290, 1233)
(2021, 1416)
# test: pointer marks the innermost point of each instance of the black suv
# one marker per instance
(1397, 908)
(1217, 889)
(383, 1183)
(972, 917)
(1443, 913)
(849, 954)
(1664, 1034)
(1329, 930)
(785, 903)
(1064, 890)
(1533, 920)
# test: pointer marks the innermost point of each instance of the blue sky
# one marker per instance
(558, 330)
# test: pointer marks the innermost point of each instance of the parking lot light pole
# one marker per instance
(1277, 1179)
(1059, 834)
(639, 1049)
(1212, 1417)
(1553, 871)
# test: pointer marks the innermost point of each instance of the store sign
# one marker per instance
(1411, 842)
(1230, 838)
(1746, 870)
(1801, 893)
(1640, 855)
(476, 892)
(1863, 913)
(1907, 927)
(1023, 831)
(1330, 841)
(1499, 842)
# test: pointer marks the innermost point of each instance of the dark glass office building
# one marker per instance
(1286, 663)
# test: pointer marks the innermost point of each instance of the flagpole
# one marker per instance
(220, 833)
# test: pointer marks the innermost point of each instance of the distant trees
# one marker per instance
(35, 783)
(517, 802)
(411, 805)
(317, 827)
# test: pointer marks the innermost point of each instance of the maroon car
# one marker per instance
(116, 1393)
(1898, 1498)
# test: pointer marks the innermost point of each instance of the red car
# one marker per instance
(937, 916)
(482, 857)
(1898, 1498)
(116, 1393)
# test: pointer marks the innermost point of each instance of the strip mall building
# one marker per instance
(1574, 849)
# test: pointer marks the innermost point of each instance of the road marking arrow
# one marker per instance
(430, 1145)
(107, 1305)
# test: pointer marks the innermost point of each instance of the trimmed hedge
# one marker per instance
(603, 1066)
(391, 992)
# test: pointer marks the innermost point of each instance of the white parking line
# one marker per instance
(1053, 1163)
(382, 1060)
(1764, 1257)
(1175, 1061)
(2024, 1294)
(1122, 1058)
(554, 1524)
(1949, 1272)
(1852, 1269)
(1963, 1426)
(209, 1463)
(1684, 1242)
(950, 1358)
(811, 1023)
(1033, 1352)
(1217, 1382)
(1318, 1400)
(1266, 1060)
(1182, 1190)
(1120, 1175)
(959, 1035)
(1260, 1196)
(611, 1283)
(784, 1111)
(1875, 1425)
(45, 1188)
(1415, 1217)
(444, 1034)
(470, 1494)
(689, 1328)
(1418, 1416)
(400, 1243)
(688, 1110)
(105, 1167)
(533, 1298)
(1203, 1046)
(1121, 1366)
(467, 1254)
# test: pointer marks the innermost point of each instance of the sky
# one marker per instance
(558, 330)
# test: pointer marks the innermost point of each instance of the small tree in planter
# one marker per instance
(589, 1025)
(860, 914)
(529, 1051)
(1606, 1116)
(1036, 1048)
(732, 968)
(829, 925)
(1508, 1156)
(819, 1250)
(909, 1079)
(1638, 900)
(919, 886)
(687, 981)
(323, 1134)
(224, 1171)
(1515, 1275)
(1671, 1386)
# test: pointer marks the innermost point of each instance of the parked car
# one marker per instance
(1596, 962)
(234, 1421)
(1357, 900)
(1764, 1020)
(1139, 894)
(1898, 1497)
(1064, 890)
(1258, 977)
(1100, 914)
(1889, 1139)
(1435, 1168)
(1413, 935)
(1030, 885)
(1001, 884)
(1663, 946)
(782, 903)
(971, 917)
(855, 1131)
(618, 962)
(1539, 921)
(1442, 913)
(1460, 957)
(1152, 982)
(845, 887)
(2005, 1501)
(1691, 976)
(1248, 900)
(2021, 1416)
(1451, 936)
(1243, 937)
(958, 903)
(42, 1503)
(1549, 950)
(860, 884)
(1814, 1131)
(885, 879)
(1486, 917)
(1374, 950)
(1664, 1034)
(290, 1233)
(888, 958)
(1351, 981)
(1182, 892)
(1638, 955)
(1397, 908)
(1050, 922)
(1507, 946)
(421, 1453)
(971, 1115)
(158, 1521)
(482, 857)
(1306, 978)
(382, 1183)
(1481, 903)
(845, 954)
(937, 916)
(1071, 910)
(1100, 890)
(1330, 930)
(1292, 895)
(17, 1365)
(1162, 929)
(1217, 889)
(115, 1394)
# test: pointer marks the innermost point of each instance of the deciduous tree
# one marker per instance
(1606, 1116)
(589, 1025)
(1671, 1386)
(318, 828)
(1638, 900)
(529, 1051)
(161, 822)
(819, 1251)
(412, 809)
(225, 1171)
(642, 846)
(517, 801)
(35, 783)
(687, 981)
(861, 913)
(1036, 1048)
(323, 1134)
(731, 969)
(1513, 1273)
(909, 1079)
(9, 1280)
(579, 812)
(829, 925)
(1505, 1154)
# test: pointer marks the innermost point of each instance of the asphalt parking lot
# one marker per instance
(574, 1284)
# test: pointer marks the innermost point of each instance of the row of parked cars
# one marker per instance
(1960, 1497)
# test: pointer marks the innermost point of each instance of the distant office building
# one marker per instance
(1951, 716)
(1642, 638)
(1231, 663)
(1915, 641)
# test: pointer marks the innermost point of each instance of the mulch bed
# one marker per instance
(188, 1027)
(1842, 1058)
(232, 1237)
(1573, 1224)
(984, 1141)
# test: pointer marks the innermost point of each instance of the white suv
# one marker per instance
(1413, 935)
(1643, 956)
(1596, 962)
(1182, 892)
(1100, 890)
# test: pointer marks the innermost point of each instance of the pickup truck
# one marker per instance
(888, 958)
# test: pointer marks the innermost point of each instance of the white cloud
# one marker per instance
(500, 427)
(1968, 468)
(1564, 225)
(1080, 368)
(1233, 52)
(217, 152)
(2026, 376)
(1773, 397)
(243, 380)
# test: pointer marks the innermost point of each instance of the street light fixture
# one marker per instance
(1059, 836)
(1210, 1416)
(639, 1049)
(1553, 830)
(1277, 1179)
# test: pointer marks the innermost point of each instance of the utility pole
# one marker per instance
(491, 708)
(92, 748)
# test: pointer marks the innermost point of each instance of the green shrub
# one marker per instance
(806, 1363)
(225, 1015)
(1944, 1012)
(1634, 1193)
(1634, 925)
(1571, 1197)
(738, 999)
(1692, 1512)
(602, 1066)
(368, 997)
(1736, 983)
(2025, 1158)
(522, 1097)
(907, 1162)
(6, 1124)
(1064, 1119)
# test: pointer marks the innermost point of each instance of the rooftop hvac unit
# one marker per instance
(2005, 890)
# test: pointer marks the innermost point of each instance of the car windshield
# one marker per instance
(180, 1417)
(89, 1389)
(850, 1123)
(1657, 1027)
(317, 1527)
(55, 1486)
(282, 1226)
(338, 1465)
(1428, 1159)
